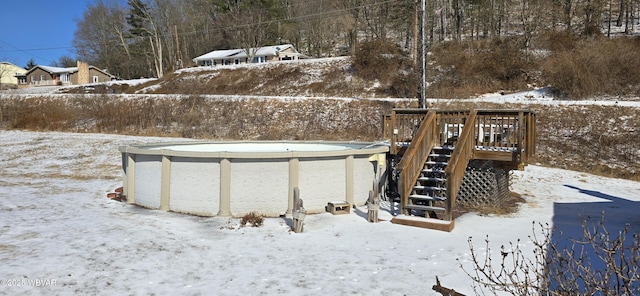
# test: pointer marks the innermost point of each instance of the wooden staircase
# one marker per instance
(432, 166)
(430, 190)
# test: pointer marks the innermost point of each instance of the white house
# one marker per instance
(240, 56)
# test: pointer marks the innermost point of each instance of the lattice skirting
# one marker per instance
(483, 185)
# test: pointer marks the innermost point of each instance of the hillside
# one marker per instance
(329, 77)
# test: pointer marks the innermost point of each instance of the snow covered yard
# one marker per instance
(59, 234)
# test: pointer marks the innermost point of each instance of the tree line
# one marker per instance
(148, 38)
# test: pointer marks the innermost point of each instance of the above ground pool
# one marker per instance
(236, 178)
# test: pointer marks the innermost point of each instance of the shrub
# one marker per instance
(383, 61)
(556, 41)
(252, 218)
(595, 67)
(463, 69)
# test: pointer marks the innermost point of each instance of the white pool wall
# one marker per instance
(235, 178)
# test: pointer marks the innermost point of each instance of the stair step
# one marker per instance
(428, 223)
(442, 163)
(425, 208)
(439, 155)
(449, 148)
(430, 188)
(425, 179)
(433, 170)
(425, 197)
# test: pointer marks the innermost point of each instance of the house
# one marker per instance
(240, 56)
(8, 72)
(45, 75)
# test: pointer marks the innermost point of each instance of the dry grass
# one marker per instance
(198, 117)
(503, 207)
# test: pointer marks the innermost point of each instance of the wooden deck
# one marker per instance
(505, 137)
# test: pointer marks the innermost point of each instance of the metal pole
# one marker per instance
(423, 58)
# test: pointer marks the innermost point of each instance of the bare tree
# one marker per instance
(320, 35)
(5, 71)
(101, 39)
(145, 26)
(531, 18)
(249, 23)
(64, 62)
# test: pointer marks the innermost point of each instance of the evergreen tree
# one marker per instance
(137, 18)
(30, 64)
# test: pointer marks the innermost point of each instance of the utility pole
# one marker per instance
(423, 58)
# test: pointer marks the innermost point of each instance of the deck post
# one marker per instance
(373, 205)
(298, 212)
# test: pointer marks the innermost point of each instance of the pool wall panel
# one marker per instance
(321, 181)
(195, 186)
(260, 186)
(364, 177)
(148, 176)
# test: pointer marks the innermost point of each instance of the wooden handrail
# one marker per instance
(416, 155)
(460, 158)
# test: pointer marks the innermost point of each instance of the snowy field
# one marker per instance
(60, 235)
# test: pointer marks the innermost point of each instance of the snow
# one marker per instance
(317, 63)
(543, 96)
(59, 234)
(259, 147)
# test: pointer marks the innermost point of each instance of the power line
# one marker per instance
(25, 51)
(307, 17)
(302, 17)
(39, 49)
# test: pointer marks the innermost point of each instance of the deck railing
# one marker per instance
(401, 126)
(458, 162)
(509, 131)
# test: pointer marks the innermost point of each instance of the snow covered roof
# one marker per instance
(218, 54)
(58, 69)
(241, 53)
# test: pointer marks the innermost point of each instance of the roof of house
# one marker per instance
(60, 70)
(13, 67)
(241, 53)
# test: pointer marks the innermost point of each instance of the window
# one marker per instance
(96, 79)
(33, 78)
(42, 78)
(23, 80)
